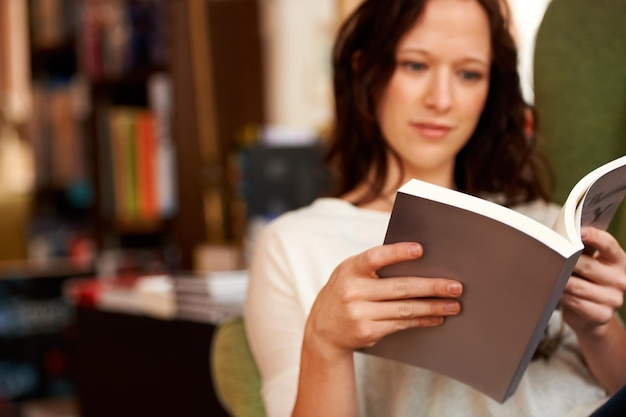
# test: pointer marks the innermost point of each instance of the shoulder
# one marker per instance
(319, 210)
(325, 216)
(319, 214)
(328, 227)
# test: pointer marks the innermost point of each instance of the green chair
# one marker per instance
(236, 379)
(580, 91)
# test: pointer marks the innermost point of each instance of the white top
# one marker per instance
(293, 258)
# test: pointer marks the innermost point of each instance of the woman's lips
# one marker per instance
(432, 130)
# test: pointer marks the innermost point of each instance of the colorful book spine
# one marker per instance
(160, 98)
(146, 166)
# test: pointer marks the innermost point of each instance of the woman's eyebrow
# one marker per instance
(471, 59)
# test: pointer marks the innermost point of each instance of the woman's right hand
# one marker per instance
(356, 308)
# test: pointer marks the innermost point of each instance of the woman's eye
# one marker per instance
(414, 66)
(470, 75)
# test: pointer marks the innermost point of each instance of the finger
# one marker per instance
(417, 322)
(411, 309)
(590, 311)
(398, 288)
(586, 290)
(403, 310)
(403, 324)
(369, 335)
(607, 246)
(602, 273)
(371, 260)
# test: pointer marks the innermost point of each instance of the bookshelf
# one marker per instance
(178, 79)
(137, 108)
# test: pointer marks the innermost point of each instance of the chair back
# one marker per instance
(236, 378)
(580, 90)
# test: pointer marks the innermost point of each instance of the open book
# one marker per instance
(513, 269)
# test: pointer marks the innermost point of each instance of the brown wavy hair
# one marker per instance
(500, 158)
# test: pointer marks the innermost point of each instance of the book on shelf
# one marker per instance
(55, 134)
(209, 313)
(212, 296)
(513, 269)
(121, 123)
(122, 36)
(146, 166)
(160, 103)
(138, 185)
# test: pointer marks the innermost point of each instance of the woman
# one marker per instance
(426, 89)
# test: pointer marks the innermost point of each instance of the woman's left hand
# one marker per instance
(596, 290)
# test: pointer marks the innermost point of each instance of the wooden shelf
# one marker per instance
(53, 268)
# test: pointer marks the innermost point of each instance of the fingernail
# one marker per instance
(437, 320)
(455, 289)
(452, 307)
(433, 321)
(415, 249)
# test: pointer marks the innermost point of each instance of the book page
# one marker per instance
(593, 200)
(603, 199)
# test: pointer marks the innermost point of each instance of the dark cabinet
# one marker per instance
(139, 366)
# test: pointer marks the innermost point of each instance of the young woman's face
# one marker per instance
(437, 92)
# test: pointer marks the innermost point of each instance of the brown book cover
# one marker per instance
(513, 269)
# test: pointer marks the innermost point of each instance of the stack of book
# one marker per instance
(212, 297)
(149, 295)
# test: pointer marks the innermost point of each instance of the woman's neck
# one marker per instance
(383, 201)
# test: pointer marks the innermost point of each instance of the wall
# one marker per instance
(297, 37)
(526, 18)
(16, 171)
(15, 76)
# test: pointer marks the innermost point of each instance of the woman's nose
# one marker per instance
(439, 93)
